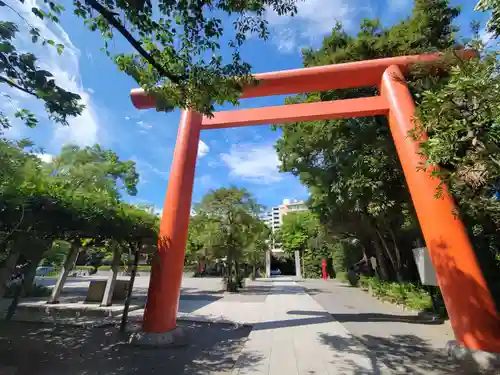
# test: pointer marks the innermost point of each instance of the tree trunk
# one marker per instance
(399, 263)
(389, 254)
(29, 277)
(381, 261)
(23, 288)
(67, 266)
(126, 306)
(7, 270)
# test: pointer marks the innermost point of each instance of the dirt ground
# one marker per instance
(48, 349)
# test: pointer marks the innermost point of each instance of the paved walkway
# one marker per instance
(296, 335)
(399, 339)
(303, 333)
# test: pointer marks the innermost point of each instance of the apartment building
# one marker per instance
(274, 216)
(274, 219)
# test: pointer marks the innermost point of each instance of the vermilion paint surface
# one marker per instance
(472, 311)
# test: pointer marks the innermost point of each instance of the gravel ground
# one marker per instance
(48, 349)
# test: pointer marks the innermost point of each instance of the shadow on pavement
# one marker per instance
(267, 289)
(400, 354)
(371, 317)
(291, 323)
(42, 349)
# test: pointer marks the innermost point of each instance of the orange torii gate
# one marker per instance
(471, 308)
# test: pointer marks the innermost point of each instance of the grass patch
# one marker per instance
(342, 276)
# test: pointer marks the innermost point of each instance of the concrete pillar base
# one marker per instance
(175, 337)
(268, 263)
(474, 361)
(298, 268)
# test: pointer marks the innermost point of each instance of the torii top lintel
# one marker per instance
(321, 78)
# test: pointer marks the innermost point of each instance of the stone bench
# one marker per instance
(97, 288)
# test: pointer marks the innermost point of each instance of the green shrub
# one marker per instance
(107, 268)
(51, 274)
(411, 295)
(232, 286)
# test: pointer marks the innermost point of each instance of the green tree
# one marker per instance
(36, 208)
(257, 245)
(178, 45)
(296, 231)
(21, 71)
(350, 165)
(493, 6)
(94, 169)
(231, 217)
(56, 254)
(465, 144)
(196, 246)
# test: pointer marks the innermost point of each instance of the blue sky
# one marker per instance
(243, 157)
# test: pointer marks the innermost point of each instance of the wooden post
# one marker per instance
(123, 324)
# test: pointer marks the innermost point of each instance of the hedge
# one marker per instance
(107, 268)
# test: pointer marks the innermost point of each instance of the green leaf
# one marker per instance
(60, 48)
(6, 47)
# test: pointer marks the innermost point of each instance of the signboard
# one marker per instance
(425, 266)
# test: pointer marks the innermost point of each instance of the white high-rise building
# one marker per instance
(274, 219)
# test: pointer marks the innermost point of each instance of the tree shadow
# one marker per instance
(371, 317)
(283, 290)
(397, 354)
(43, 349)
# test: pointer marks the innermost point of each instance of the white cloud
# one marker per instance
(314, 19)
(146, 168)
(254, 163)
(90, 90)
(202, 149)
(398, 5)
(127, 118)
(46, 158)
(144, 125)
(486, 37)
(286, 40)
(83, 130)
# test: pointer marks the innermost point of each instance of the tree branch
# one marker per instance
(15, 85)
(110, 17)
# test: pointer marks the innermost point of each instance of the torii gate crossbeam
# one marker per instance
(471, 308)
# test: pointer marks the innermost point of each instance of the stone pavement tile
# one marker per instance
(258, 347)
(392, 337)
(296, 336)
(218, 311)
